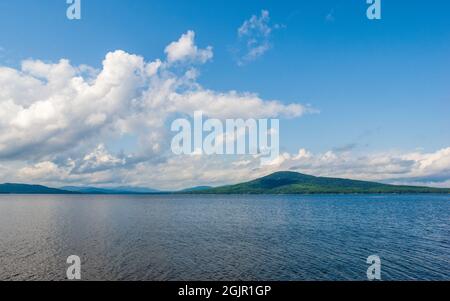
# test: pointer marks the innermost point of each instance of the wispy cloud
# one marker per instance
(254, 37)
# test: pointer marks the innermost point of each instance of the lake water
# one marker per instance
(225, 237)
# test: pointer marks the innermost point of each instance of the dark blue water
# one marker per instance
(225, 237)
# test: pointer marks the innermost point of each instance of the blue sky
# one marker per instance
(379, 86)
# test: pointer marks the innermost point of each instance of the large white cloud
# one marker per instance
(58, 114)
(54, 107)
(57, 120)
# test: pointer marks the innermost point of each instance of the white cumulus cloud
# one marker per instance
(58, 119)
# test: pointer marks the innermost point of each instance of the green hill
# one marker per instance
(297, 183)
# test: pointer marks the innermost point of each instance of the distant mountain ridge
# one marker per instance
(11, 188)
(285, 182)
(115, 190)
(196, 188)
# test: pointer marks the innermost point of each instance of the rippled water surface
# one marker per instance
(225, 237)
